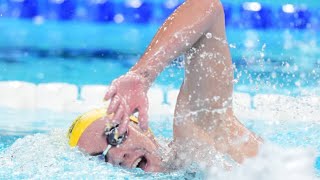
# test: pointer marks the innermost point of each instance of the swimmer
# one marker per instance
(204, 119)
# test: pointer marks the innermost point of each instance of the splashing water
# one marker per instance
(273, 162)
(49, 156)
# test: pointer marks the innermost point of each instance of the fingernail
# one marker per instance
(115, 122)
(108, 126)
(116, 134)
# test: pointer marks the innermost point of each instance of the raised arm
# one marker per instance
(177, 35)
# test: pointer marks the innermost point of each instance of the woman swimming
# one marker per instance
(203, 119)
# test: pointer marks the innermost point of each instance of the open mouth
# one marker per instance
(140, 163)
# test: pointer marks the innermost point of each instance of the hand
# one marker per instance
(128, 94)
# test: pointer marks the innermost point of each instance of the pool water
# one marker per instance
(282, 61)
(42, 151)
(253, 74)
(33, 142)
(291, 148)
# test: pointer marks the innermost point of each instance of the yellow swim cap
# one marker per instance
(84, 121)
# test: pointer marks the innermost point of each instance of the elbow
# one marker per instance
(218, 8)
(217, 15)
(215, 7)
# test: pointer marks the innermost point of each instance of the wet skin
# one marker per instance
(203, 114)
(139, 149)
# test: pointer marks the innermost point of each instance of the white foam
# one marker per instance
(241, 100)
(274, 163)
(287, 108)
(41, 156)
(242, 105)
(272, 101)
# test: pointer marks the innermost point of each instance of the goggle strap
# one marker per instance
(105, 152)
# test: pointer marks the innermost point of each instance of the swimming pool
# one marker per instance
(44, 86)
(42, 134)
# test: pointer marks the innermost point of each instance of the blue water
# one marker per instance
(285, 134)
(47, 141)
(281, 60)
(253, 76)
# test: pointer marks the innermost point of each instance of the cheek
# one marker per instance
(134, 140)
(138, 139)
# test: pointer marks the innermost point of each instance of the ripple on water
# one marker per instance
(49, 155)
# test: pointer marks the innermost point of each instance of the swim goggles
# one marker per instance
(113, 139)
(112, 136)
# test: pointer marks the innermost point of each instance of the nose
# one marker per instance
(117, 157)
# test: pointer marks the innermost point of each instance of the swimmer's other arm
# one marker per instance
(178, 34)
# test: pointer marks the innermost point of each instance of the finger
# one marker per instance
(110, 93)
(124, 124)
(108, 123)
(114, 105)
(143, 118)
(118, 116)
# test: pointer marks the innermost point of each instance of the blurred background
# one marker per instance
(95, 41)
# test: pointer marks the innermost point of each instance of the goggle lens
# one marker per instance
(113, 137)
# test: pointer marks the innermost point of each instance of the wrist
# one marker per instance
(144, 76)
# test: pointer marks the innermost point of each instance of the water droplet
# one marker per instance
(38, 20)
(264, 46)
(209, 35)
(118, 18)
(233, 46)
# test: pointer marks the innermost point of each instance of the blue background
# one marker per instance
(95, 41)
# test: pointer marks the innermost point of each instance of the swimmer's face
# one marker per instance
(138, 150)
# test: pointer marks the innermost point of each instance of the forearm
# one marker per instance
(180, 31)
